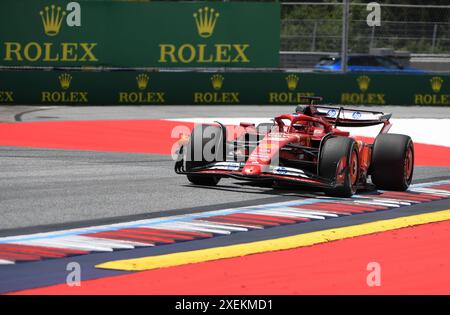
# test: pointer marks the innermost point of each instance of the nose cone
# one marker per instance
(252, 170)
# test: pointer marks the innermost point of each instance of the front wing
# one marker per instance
(270, 172)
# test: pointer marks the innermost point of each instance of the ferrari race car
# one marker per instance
(302, 148)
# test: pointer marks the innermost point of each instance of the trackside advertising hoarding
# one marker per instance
(231, 88)
(139, 33)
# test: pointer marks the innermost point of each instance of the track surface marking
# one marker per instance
(308, 239)
(333, 268)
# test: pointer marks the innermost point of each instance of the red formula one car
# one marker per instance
(303, 148)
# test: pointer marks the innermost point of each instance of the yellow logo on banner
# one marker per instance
(142, 81)
(142, 97)
(204, 53)
(64, 96)
(292, 81)
(64, 80)
(285, 97)
(6, 96)
(52, 20)
(217, 81)
(205, 20)
(437, 98)
(436, 84)
(222, 97)
(363, 98)
(363, 83)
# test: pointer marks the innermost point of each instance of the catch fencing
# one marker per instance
(310, 30)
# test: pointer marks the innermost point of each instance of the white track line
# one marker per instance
(375, 202)
(435, 192)
(103, 241)
(244, 225)
(221, 225)
(65, 243)
(403, 202)
(207, 224)
(308, 213)
(287, 213)
(323, 213)
(6, 262)
(368, 200)
(305, 209)
(189, 227)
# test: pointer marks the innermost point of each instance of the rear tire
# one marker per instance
(392, 164)
(201, 137)
(339, 159)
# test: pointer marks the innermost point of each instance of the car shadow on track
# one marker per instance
(262, 189)
(274, 190)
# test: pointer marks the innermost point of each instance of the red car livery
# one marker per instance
(302, 148)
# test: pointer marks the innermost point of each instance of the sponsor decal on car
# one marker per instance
(277, 136)
(280, 170)
(356, 115)
(331, 113)
(230, 166)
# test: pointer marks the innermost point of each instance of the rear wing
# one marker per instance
(346, 117)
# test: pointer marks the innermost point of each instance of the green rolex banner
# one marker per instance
(210, 88)
(139, 34)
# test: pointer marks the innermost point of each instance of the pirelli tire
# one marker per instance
(392, 165)
(201, 138)
(204, 180)
(339, 162)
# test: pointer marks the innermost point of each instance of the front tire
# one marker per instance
(339, 162)
(204, 180)
(200, 139)
(392, 162)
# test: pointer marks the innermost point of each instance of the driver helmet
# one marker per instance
(305, 110)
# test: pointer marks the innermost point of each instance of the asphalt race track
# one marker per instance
(44, 187)
(53, 188)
